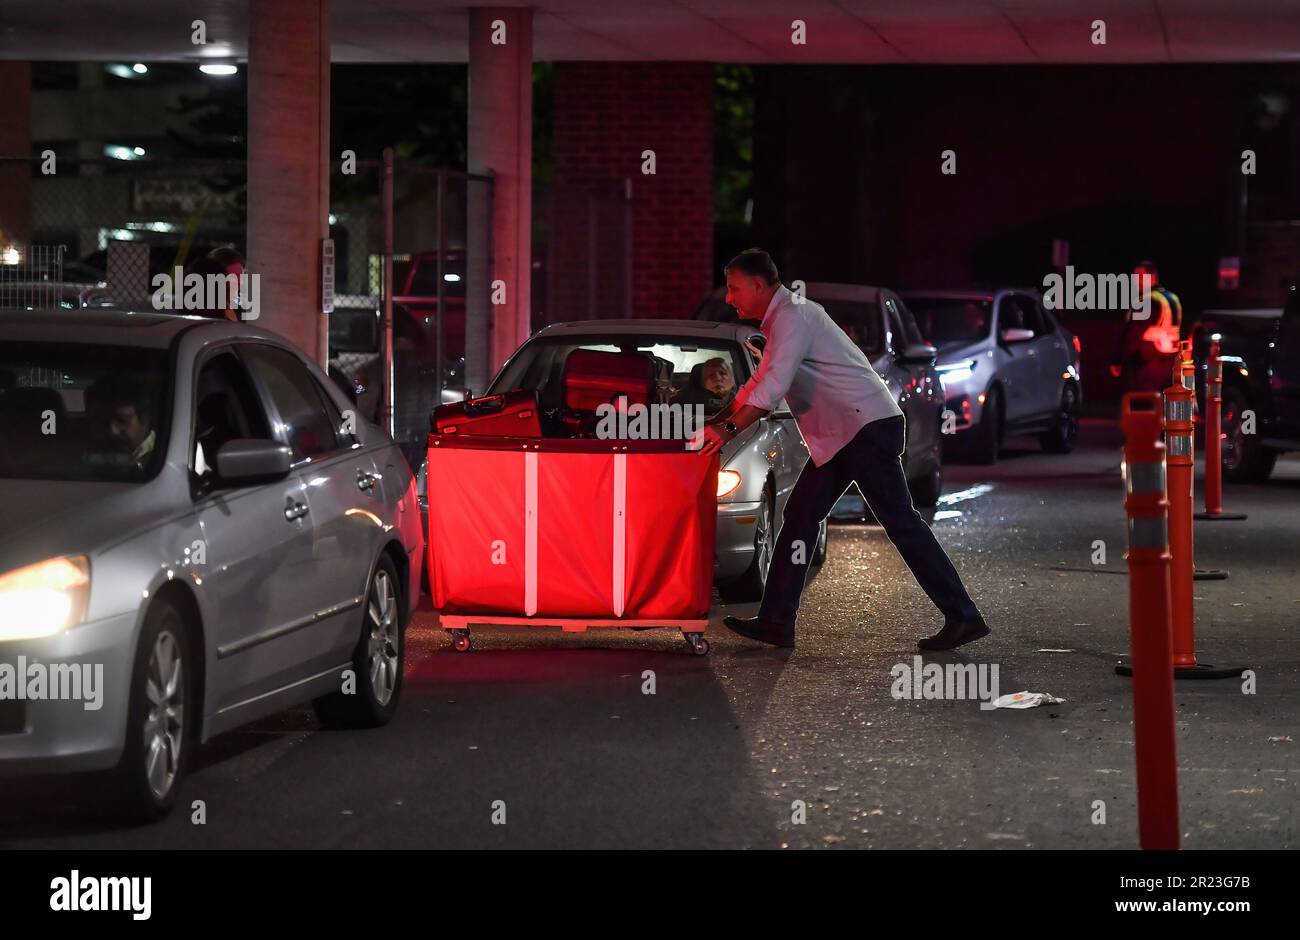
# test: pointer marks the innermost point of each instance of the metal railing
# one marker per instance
(31, 278)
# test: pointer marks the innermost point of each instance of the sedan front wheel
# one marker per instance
(749, 586)
(157, 735)
(370, 695)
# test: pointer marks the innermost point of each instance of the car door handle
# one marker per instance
(366, 480)
(294, 510)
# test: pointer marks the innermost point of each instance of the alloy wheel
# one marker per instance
(164, 724)
(382, 649)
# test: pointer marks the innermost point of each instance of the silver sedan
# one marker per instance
(197, 532)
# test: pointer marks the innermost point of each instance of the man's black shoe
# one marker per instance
(955, 633)
(765, 631)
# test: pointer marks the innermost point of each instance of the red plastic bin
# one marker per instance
(599, 533)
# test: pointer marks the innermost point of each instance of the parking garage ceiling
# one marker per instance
(755, 31)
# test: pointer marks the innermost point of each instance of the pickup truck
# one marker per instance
(1260, 349)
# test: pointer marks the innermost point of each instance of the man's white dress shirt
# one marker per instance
(826, 380)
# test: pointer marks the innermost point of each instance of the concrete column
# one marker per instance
(288, 164)
(15, 141)
(501, 141)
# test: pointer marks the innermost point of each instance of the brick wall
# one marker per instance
(606, 114)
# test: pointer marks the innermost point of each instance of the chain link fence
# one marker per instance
(31, 277)
(121, 222)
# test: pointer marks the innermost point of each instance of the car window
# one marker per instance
(82, 411)
(1030, 315)
(226, 408)
(910, 329)
(423, 282)
(310, 424)
(1050, 323)
(946, 321)
(898, 332)
(1010, 314)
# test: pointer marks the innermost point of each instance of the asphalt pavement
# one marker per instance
(542, 739)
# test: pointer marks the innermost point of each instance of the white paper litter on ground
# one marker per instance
(1025, 700)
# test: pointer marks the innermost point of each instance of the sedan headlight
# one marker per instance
(956, 371)
(45, 598)
(728, 480)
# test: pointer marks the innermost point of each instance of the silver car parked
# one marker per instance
(1007, 365)
(196, 533)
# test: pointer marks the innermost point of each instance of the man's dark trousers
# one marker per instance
(872, 459)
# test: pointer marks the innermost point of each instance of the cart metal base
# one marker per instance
(458, 626)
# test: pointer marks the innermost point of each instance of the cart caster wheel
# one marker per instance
(699, 645)
(460, 640)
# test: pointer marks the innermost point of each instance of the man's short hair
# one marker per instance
(226, 255)
(754, 262)
(119, 391)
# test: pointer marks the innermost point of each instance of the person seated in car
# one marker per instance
(126, 408)
(712, 385)
(976, 324)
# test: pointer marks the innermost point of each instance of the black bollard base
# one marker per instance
(1219, 516)
(1209, 574)
(1199, 671)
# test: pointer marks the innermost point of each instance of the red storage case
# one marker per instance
(594, 377)
(512, 414)
(575, 533)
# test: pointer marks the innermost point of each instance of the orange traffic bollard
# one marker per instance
(1185, 377)
(1149, 600)
(1214, 441)
(1180, 464)
(1179, 432)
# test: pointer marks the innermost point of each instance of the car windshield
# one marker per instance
(75, 411)
(424, 282)
(703, 373)
(945, 321)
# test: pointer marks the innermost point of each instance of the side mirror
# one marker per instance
(454, 393)
(915, 354)
(1017, 335)
(249, 460)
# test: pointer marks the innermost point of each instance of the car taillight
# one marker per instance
(728, 480)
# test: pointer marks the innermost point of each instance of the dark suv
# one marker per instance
(1260, 349)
